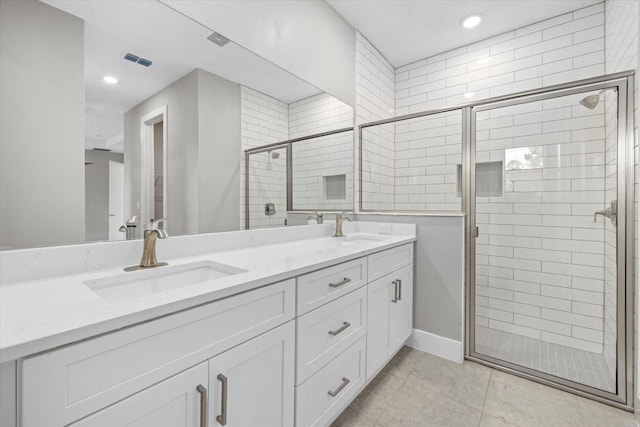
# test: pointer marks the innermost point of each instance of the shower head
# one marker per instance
(274, 155)
(591, 101)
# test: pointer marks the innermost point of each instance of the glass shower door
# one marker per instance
(266, 201)
(545, 290)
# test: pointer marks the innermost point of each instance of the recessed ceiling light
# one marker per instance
(110, 79)
(471, 21)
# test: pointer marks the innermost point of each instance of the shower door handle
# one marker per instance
(610, 212)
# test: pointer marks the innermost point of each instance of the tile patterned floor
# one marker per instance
(420, 390)
(565, 362)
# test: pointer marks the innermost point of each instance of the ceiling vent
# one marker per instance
(218, 39)
(135, 58)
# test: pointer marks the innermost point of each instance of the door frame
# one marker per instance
(624, 398)
(147, 123)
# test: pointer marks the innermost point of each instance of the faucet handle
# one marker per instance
(153, 223)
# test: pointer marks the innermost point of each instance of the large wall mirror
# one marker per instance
(114, 113)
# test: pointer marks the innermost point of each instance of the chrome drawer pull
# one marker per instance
(334, 393)
(399, 289)
(203, 404)
(222, 418)
(395, 291)
(344, 326)
(343, 282)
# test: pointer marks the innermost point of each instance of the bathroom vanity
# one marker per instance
(285, 328)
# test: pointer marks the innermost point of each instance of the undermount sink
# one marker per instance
(363, 237)
(159, 279)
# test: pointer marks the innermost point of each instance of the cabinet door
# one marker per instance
(253, 383)
(378, 312)
(174, 402)
(401, 311)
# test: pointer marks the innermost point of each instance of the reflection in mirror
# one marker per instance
(109, 119)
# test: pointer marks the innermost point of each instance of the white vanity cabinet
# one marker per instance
(179, 401)
(67, 384)
(390, 311)
(291, 353)
(252, 384)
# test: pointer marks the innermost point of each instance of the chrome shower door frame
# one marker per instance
(623, 82)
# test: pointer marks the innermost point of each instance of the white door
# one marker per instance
(401, 311)
(116, 200)
(253, 384)
(174, 402)
(378, 300)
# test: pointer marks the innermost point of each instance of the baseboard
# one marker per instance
(435, 344)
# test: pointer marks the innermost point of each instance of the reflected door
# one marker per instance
(116, 200)
(546, 202)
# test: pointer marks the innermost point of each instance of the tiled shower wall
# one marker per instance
(540, 257)
(622, 27)
(562, 49)
(264, 120)
(318, 158)
(267, 120)
(375, 101)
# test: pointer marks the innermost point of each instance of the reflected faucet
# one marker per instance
(339, 219)
(318, 217)
(151, 235)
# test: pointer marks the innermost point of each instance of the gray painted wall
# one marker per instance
(182, 153)
(203, 153)
(219, 153)
(438, 292)
(97, 193)
(41, 78)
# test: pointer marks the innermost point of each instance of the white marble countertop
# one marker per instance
(38, 315)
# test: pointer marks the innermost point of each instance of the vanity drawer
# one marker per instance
(69, 383)
(383, 263)
(322, 286)
(328, 331)
(343, 377)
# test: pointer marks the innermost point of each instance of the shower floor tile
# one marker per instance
(554, 359)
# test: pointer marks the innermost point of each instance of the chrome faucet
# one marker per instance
(151, 235)
(318, 217)
(339, 219)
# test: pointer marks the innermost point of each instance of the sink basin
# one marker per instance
(159, 279)
(363, 237)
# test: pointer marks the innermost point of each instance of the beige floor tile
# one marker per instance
(466, 383)
(351, 418)
(491, 421)
(424, 408)
(382, 389)
(596, 414)
(403, 363)
(526, 403)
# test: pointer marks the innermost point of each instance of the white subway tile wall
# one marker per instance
(621, 48)
(317, 158)
(538, 247)
(375, 101)
(264, 120)
(538, 242)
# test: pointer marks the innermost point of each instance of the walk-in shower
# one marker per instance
(544, 179)
(310, 173)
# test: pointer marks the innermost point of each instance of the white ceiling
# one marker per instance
(176, 45)
(406, 31)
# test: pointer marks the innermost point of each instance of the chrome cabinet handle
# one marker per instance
(342, 282)
(395, 291)
(335, 392)
(222, 418)
(203, 404)
(399, 289)
(344, 326)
